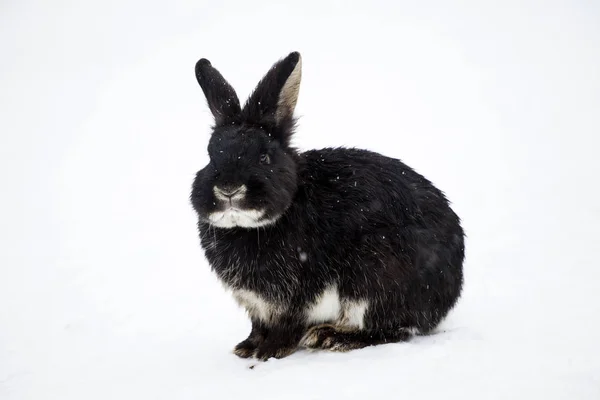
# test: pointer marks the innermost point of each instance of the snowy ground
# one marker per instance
(104, 291)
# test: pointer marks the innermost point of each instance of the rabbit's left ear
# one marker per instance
(222, 99)
(274, 99)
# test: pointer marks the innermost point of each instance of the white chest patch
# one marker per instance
(257, 306)
(326, 307)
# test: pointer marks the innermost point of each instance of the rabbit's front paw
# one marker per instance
(245, 349)
(277, 349)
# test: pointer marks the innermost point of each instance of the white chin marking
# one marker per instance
(232, 218)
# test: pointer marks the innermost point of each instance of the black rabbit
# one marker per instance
(333, 249)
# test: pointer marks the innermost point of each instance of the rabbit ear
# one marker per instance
(222, 99)
(274, 99)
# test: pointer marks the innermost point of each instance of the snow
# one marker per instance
(104, 290)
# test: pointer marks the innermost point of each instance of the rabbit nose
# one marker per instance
(229, 192)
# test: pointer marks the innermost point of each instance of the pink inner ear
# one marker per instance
(288, 96)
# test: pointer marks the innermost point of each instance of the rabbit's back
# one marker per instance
(384, 232)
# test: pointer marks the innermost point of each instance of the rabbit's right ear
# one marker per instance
(222, 99)
(274, 99)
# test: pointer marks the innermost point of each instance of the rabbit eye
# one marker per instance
(265, 159)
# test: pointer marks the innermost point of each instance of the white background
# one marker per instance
(104, 290)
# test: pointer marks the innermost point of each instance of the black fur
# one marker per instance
(366, 223)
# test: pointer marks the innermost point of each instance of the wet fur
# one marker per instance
(366, 224)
